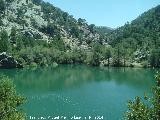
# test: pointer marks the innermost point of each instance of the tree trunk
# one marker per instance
(108, 62)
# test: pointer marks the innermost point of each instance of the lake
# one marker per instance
(80, 91)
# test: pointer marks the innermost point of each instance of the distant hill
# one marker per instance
(103, 30)
(140, 38)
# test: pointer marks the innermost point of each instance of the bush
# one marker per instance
(10, 101)
(143, 111)
(33, 64)
(138, 110)
(145, 64)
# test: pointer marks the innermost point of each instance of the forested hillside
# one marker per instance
(37, 33)
(139, 41)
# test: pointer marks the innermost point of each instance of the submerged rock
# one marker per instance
(8, 62)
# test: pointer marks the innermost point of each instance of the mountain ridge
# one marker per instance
(141, 36)
(37, 33)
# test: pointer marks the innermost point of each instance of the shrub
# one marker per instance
(10, 101)
(150, 110)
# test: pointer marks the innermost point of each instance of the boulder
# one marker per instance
(3, 55)
(8, 62)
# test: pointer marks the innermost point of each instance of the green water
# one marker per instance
(83, 91)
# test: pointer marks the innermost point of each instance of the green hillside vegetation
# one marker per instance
(148, 110)
(139, 41)
(68, 40)
(36, 32)
(10, 101)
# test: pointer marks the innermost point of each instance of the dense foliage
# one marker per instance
(140, 38)
(150, 110)
(4, 43)
(10, 101)
(44, 54)
(134, 44)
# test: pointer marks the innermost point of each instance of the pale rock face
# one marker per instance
(30, 13)
(34, 12)
(40, 20)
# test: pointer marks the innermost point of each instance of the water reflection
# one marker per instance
(70, 76)
(80, 90)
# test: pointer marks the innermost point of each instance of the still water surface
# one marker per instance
(69, 90)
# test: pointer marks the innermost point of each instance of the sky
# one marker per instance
(110, 13)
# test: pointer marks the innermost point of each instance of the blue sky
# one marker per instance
(110, 13)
